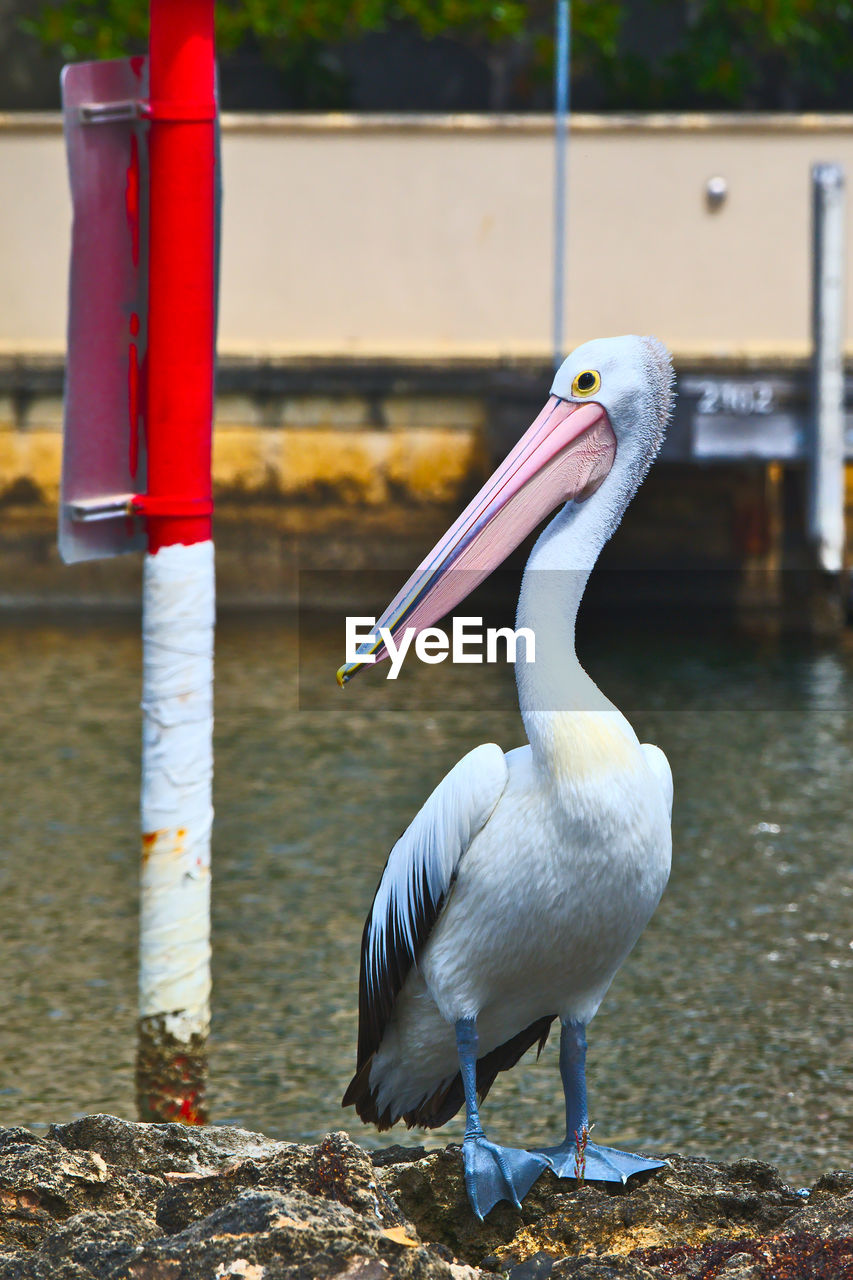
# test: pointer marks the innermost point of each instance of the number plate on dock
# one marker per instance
(744, 418)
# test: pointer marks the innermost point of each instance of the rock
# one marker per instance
(609, 1267)
(689, 1201)
(280, 1236)
(86, 1245)
(42, 1183)
(164, 1148)
(107, 1199)
(828, 1213)
(780, 1257)
(536, 1267)
(740, 1266)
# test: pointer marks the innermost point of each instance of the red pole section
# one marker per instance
(181, 304)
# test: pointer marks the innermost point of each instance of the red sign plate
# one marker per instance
(103, 458)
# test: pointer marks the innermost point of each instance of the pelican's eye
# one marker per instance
(586, 383)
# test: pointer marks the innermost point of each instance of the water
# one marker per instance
(728, 1031)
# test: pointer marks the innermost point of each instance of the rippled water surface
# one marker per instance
(728, 1031)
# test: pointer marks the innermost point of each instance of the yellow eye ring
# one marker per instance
(586, 383)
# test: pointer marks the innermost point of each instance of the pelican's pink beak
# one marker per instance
(566, 453)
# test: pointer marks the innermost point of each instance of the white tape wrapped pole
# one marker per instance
(177, 814)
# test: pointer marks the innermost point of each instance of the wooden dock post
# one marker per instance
(826, 479)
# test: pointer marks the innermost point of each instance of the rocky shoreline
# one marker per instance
(115, 1200)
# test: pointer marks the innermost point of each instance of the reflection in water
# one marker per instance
(727, 1031)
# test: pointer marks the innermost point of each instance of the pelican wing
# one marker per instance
(415, 884)
(659, 766)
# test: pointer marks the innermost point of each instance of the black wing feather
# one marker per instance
(376, 1000)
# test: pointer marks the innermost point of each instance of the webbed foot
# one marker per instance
(494, 1173)
(597, 1164)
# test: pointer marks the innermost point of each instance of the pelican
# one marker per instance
(527, 877)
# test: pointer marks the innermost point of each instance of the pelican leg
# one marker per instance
(576, 1156)
(492, 1173)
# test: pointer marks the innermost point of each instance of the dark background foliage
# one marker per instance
(469, 55)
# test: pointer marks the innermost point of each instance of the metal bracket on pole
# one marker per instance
(140, 109)
(137, 504)
(826, 480)
(87, 510)
(110, 112)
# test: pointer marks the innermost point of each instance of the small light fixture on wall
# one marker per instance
(716, 193)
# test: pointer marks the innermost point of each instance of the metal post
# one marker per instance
(178, 583)
(561, 131)
(826, 483)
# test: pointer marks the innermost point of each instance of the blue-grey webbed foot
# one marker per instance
(576, 1156)
(595, 1163)
(494, 1173)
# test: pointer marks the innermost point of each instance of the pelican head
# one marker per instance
(631, 379)
(602, 425)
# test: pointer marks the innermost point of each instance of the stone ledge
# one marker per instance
(103, 1197)
(33, 373)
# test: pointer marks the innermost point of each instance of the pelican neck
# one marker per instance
(555, 693)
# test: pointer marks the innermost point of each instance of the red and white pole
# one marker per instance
(178, 584)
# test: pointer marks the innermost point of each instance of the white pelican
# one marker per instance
(527, 877)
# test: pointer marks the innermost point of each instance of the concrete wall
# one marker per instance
(385, 327)
(346, 467)
(432, 237)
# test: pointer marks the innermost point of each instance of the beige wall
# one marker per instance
(433, 236)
